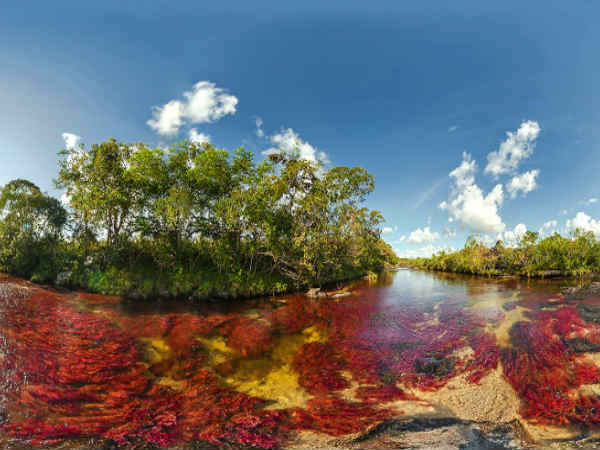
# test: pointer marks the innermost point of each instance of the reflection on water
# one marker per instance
(282, 371)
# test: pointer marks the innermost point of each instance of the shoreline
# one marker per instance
(329, 289)
(539, 275)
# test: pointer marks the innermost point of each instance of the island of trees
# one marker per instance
(577, 255)
(191, 221)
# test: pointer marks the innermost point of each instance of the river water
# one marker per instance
(414, 360)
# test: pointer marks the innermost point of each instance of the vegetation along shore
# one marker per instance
(191, 221)
(577, 255)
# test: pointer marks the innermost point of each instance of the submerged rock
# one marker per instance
(581, 292)
(313, 293)
(440, 433)
(583, 345)
(437, 367)
(589, 313)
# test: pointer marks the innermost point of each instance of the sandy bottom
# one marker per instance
(492, 400)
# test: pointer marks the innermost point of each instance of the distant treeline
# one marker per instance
(191, 221)
(556, 255)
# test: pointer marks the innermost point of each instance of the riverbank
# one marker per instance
(538, 275)
(197, 287)
(577, 256)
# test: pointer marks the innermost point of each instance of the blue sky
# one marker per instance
(401, 88)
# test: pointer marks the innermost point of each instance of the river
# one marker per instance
(413, 360)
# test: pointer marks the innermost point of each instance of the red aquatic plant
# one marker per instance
(485, 357)
(336, 417)
(319, 368)
(298, 313)
(546, 373)
(249, 337)
(381, 394)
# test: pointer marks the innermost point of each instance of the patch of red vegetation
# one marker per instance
(546, 373)
(298, 313)
(319, 369)
(71, 373)
(249, 337)
(337, 417)
(382, 344)
(382, 394)
(485, 358)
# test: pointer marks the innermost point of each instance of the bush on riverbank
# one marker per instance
(191, 220)
(576, 255)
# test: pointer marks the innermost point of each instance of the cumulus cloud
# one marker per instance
(449, 232)
(205, 103)
(469, 205)
(582, 221)
(485, 239)
(548, 228)
(452, 129)
(420, 236)
(198, 138)
(387, 230)
(424, 252)
(517, 146)
(167, 118)
(526, 182)
(71, 140)
(512, 237)
(289, 142)
(259, 123)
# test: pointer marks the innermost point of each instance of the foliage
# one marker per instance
(30, 230)
(575, 255)
(195, 220)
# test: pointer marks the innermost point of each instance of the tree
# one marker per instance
(99, 189)
(31, 228)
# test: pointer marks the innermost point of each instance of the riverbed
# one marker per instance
(412, 360)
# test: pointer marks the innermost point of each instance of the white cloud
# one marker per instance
(526, 182)
(71, 140)
(550, 224)
(198, 138)
(592, 200)
(425, 235)
(259, 123)
(289, 142)
(452, 129)
(548, 228)
(424, 252)
(467, 203)
(512, 237)
(449, 232)
(584, 222)
(517, 146)
(485, 239)
(387, 230)
(168, 118)
(205, 103)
